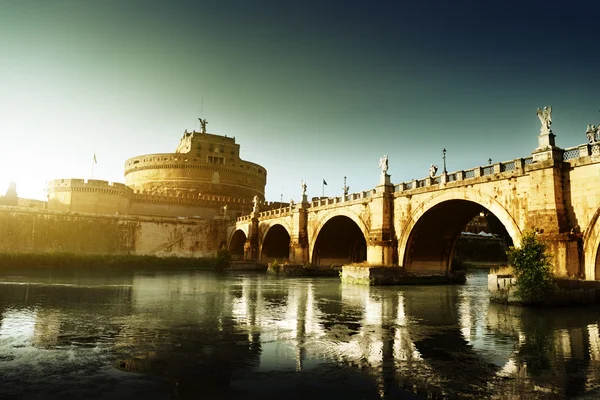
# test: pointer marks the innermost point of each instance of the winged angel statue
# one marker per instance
(383, 164)
(545, 117)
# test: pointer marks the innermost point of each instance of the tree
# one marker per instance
(532, 268)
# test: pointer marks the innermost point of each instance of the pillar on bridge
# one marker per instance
(299, 236)
(380, 243)
(547, 212)
(251, 245)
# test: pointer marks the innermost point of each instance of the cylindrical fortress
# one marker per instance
(203, 164)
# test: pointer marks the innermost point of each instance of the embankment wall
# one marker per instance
(39, 231)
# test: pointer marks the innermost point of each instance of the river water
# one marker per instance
(196, 334)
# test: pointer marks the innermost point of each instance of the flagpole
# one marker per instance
(93, 162)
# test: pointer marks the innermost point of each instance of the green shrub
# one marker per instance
(532, 268)
(223, 258)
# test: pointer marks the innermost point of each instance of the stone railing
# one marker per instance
(464, 174)
(276, 212)
(342, 199)
(582, 150)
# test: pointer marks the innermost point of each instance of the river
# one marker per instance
(125, 334)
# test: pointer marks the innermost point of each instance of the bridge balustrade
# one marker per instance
(470, 173)
(571, 153)
(489, 170)
(507, 166)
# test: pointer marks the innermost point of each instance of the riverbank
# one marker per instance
(568, 292)
(87, 261)
(383, 276)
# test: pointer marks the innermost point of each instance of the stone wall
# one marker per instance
(23, 230)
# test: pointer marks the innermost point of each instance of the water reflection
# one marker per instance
(181, 334)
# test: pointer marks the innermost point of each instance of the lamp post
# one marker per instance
(444, 152)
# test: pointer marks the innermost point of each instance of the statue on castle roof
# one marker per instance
(383, 164)
(203, 123)
(545, 117)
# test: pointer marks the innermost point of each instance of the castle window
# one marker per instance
(216, 160)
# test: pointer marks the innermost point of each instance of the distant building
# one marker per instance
(477, 225)
(204, 174)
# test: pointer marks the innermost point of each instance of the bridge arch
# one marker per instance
(591, 244)
(339, 237)
(236, 244)
(428, 237)
(275, 242)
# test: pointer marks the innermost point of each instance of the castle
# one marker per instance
(205, 178)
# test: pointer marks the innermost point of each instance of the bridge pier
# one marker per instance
(551, 218)
(380, 241)
(299, 237)
(567, 254)
(251, 245)
(381, 253)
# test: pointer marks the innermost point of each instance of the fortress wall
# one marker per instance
(171, 210)
(238, 180)
(88, 196)
(23, 230)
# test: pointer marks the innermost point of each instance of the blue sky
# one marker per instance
(311, 90)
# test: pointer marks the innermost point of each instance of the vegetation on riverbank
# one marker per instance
(308, 269)
(75, 260)
(534, 282)
(532, 269)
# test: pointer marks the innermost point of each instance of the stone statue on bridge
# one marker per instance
(592, 132)
(545, 117)
(383, 164)
(255, 204)
(303, 185)
(433, 170)
(203, 123)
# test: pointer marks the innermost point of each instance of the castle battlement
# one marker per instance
(202, 176)
(87, 183)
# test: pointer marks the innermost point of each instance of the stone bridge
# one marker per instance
(415, 225)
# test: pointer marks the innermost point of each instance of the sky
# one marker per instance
(311, 90)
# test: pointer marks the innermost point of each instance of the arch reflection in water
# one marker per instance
(254, 336)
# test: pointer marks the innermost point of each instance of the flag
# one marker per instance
(95, 161)
(324, 183)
